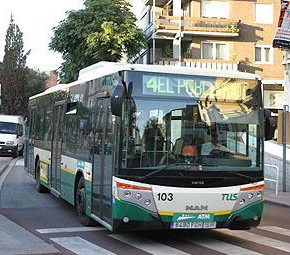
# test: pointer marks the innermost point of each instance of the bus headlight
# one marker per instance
(242, 201)
(147, 202)
(127, 193)
(250, 195)
(138, 196)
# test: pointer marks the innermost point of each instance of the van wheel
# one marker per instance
(21, 152)
(81, 204)
(15, 152)
(39, 187)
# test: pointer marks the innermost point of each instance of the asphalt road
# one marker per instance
(55, 222)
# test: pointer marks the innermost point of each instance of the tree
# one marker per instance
(35, 82)
(13, 72)
(105, 30)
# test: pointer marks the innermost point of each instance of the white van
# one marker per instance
(11, 135)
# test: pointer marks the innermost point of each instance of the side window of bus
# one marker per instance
(47, 127)
(78, 133)
(39, 121)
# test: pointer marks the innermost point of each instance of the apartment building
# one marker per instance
(233, 35)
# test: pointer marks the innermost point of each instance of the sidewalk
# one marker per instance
(14, 239)
(282, 199)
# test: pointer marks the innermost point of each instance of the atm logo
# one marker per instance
(230, 197)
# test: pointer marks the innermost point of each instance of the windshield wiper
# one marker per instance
(185, 167)
(247, 177)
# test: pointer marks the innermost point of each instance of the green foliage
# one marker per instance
(168, 51)
(35, 82)
(12, 73)
(18, 82)
(104, 30)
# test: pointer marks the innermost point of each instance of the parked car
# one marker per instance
(11, 135)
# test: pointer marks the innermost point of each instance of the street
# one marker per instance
(53, 228)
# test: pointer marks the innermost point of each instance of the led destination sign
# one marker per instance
(168, 86)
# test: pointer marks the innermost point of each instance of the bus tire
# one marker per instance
(39, 187)
(81, 204)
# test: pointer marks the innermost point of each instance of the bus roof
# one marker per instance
(106, 68)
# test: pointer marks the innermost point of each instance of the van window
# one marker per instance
(8, 128)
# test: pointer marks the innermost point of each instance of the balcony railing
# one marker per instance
(200, 64)
(191, 24)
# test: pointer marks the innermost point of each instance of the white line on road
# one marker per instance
(68, 230)
(147, 245)
(80, 246)
(220, 246)
(246, 235)
(20, 162)
(277, 230)
(6, 172)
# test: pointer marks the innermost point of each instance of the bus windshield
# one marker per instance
(208, 133)
(8, 128)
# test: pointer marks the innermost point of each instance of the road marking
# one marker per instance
(277, 230)
(219, 246)
(246, 235)
(147, 245)
(5, 173)
(80, 246)
(20, 162)
(68, 230)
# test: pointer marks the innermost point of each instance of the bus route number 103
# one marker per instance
(165, 196)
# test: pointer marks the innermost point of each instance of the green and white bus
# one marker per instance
(137, 147)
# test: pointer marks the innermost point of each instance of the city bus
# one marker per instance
(147, 147)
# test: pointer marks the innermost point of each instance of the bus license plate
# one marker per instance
(193, 225)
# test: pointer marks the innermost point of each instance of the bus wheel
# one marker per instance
(39, 187)
(81, 204)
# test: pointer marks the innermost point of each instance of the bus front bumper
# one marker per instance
(129, 217)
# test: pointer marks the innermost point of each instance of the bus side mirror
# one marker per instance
(117, 99)
(71, 108)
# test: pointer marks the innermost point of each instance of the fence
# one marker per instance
(276, 180)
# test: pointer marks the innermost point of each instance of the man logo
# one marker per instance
(196, 208)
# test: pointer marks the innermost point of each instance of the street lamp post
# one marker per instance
(284, 142)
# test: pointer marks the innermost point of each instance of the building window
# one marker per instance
(264, 13)
(215, 50)
(263, 54)
(215, 9)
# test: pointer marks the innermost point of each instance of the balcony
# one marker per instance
(207, 64)
(166, 25)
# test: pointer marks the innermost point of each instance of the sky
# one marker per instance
(36, 18)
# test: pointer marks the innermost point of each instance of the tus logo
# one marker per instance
(230, 197)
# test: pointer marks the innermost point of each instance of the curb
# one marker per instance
(277, 203)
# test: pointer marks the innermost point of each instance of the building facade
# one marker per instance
(216, 34)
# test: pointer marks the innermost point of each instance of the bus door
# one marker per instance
(102, 161)
(30, 142)
(58, 123)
